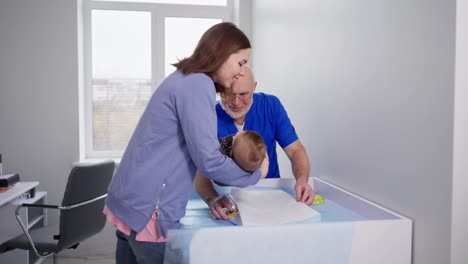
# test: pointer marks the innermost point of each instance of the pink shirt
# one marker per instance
(148, 234)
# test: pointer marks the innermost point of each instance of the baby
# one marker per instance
(246, 148)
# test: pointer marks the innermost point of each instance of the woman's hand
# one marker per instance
(217, 206)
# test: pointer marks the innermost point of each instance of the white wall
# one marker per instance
(369, 86)
(460, 159)
(38, 91)
(39, 118)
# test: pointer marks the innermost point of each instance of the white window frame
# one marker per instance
(158, 14)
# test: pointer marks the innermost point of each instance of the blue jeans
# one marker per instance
(130, 251)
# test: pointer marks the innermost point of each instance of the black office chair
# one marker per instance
(80, 213)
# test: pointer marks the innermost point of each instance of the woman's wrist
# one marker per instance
(213, 200)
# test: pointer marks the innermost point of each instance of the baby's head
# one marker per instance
(248, 150)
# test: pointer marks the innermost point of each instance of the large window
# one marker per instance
(129, 48)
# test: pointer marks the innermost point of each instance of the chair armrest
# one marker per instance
(40, 205)
(71, 206)
(63, 207)
(59, 207)
(25, 228)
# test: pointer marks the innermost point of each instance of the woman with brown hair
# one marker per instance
(175, 136)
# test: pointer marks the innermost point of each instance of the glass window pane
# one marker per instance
(184, 2)
(121, 69)
(121, 43)
(182, 36)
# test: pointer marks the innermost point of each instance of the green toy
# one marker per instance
(318, 199)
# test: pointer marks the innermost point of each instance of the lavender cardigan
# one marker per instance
(176, 135)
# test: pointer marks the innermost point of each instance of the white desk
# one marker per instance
(351, 230)
(17, 190)
(9, 226)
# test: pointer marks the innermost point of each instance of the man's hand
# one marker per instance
(217, 206)
(301, 170)
(304, 192)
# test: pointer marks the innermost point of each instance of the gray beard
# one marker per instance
(239, 115)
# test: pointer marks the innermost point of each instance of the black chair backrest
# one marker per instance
(85, 182)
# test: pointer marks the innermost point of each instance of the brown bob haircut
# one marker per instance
(213, 49)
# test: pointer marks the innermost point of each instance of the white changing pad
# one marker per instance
(269, 207)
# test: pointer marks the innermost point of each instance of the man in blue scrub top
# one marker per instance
(263, 113)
